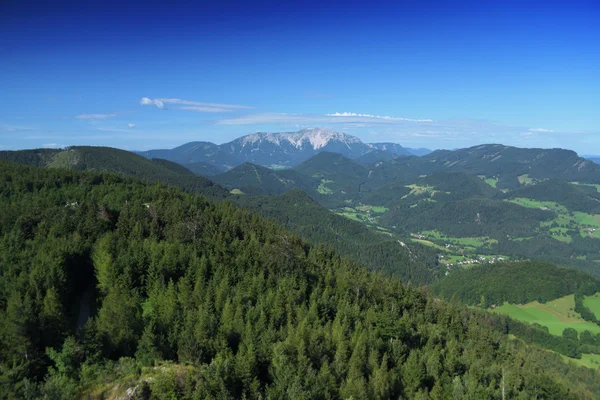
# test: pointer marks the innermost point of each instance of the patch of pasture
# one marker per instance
(556, 315)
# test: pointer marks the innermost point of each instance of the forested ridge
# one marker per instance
(300, 214)
(107, 159)
(249, 310)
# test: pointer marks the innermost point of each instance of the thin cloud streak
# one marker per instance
(396, 128)
(189, 105)
(385, 117)
(95, 116)
(540, 130)
(314, 119)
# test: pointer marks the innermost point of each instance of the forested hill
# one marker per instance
(508, 163)
(108, 159)
(378, 251)
(243, 308)
(254, 179)
(515, 282)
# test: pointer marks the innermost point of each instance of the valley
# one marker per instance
(468, 234)
(208, 200)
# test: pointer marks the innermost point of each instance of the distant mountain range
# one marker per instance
(595, 159)
(277, 150)
(487, 199)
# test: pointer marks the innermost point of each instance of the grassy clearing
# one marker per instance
(530, 203)
(352, 216)
(556, 315)
(429, 243)
(375, 209)
(478, 241)
(596, 186)
(587, 219)
(364, 213)
(236, 191)
(416, 190)
(565, 223)
(323, 189)
(491, 181)
(587, 360)
(525, 179)
(64, 159)
(593, 303)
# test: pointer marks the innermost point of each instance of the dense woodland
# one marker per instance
(300, 214)
(514, 282)
(102, 275)
(442, 191)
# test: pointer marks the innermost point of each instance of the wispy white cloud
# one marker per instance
(53, 145)
(315, 119)
(95, 116)
(206, 109)
(190, 105)
(131, 125)
(109, 129)
(540, 130)
(392, 128)
(14, 128)
(385, 117)
(146, 101)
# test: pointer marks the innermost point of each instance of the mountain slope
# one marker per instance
(375, 156)
(340, 177)
(392, 148)
(254, 179)
(252, 311)
(276, 149)
(107, 159)
(291, 148)
(195, 152)
(204, 169)
(509, 163)
(574, 197)
(376, 250)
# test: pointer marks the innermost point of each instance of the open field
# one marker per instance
(593, 303)
(416, 190)
(587, 219)
(530, 203)
(525, 179)
(469, 243)
(323, 189)
(429, 243)
(375, 209)
(365, 213)
(556, 315)
(566, 223)
(490, 181)
(587, 360)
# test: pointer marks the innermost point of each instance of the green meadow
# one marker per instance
(323, 189)
(565, 223)
(556, 315)
(530, 203)
(416, 190)
(593, 303)
(525, 179)
(490, 181)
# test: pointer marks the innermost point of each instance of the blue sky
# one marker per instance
(437, 74)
